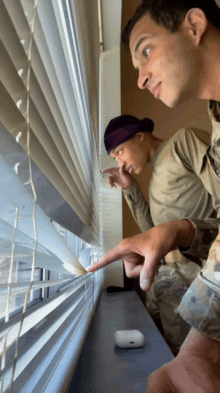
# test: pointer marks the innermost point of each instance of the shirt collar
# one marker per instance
(157, 152)
(214, 110)
(214, 113)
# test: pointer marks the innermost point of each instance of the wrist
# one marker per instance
(129, 185)
(171, 235)
(197, 345)
(185, 233)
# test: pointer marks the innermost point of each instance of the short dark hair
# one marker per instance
(170, 14)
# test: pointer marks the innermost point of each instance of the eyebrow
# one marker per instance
(139, 43)
(115, 148)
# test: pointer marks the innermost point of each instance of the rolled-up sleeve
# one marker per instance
(200, 306)
(205, 233)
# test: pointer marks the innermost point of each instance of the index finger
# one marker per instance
(113, 255)
(109, 170)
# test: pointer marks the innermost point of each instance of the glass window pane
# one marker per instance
(21, 273)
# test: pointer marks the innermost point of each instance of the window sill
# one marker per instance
(102, 366)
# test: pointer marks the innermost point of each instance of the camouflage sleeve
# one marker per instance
(214, 150)
(214, 156)
(205, 233)
(139, 207)
(200, 306)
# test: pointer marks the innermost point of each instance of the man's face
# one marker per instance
(131, 155)
(168, 63)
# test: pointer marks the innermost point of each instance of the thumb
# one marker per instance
(121, 169)
(147, 275)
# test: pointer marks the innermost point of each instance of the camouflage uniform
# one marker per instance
(178, 189)
(200, 305)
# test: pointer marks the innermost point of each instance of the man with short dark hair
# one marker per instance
(175, 47)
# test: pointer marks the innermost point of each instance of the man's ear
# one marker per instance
(140, 136)
(196, 23)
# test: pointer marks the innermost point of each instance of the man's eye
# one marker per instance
(146, 52)
(119, 152)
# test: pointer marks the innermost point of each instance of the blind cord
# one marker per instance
(7, 310)
(33, 191)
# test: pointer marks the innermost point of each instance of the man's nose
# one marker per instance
(143, 79)
(120, 161)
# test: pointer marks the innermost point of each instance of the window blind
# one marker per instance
(61, 128)
(54, 105)
(48, 106)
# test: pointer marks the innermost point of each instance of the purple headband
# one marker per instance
(122, 128)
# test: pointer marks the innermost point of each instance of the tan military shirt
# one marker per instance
(200, 306)
(177, 189)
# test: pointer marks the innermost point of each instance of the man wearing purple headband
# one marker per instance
(175, 191)
(175, 47)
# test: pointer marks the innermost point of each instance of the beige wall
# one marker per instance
(141, 103)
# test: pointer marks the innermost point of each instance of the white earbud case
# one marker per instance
(129, 338)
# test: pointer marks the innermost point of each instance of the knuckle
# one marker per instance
(124, 243)
(129, 274)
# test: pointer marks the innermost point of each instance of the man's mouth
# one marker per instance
(156, 90)
(130, 169)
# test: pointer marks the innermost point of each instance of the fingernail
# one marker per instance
(144, 284)
(88, 269)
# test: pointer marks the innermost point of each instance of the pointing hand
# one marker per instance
(142, 253)
(119, 177)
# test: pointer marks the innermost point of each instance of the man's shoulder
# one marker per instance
(187, 144)
(190, 145)
(188, 136)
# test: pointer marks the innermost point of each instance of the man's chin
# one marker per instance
(173, 102)
(138, 171)
(169, 103)
(170, 100)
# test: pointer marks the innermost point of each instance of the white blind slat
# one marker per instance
(25, 359)
(35, 315)
(22, 199)
(11, 78)
(19, 22)
(14, 122)
(20, 288)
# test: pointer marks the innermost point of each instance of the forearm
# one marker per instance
(201, 346)
(161, 239)
(139, 207)
(195, 369)
(173, 234)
